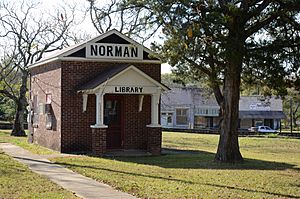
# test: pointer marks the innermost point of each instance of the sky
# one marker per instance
(86, 23)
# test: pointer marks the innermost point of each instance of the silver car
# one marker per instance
(265, 129)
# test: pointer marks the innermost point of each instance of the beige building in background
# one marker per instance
(259, 110)
(196, 108)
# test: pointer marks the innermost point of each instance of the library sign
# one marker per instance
(128, 89)
(114, 51)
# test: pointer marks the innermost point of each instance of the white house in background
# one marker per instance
(191, 107)
(259, 110)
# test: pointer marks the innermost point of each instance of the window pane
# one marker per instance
(181, 116)
(48, 98)
(169, 120)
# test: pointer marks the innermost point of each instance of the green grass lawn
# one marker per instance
(22, 142)
(271, 169)
(17, 181)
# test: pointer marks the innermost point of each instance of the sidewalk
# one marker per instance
(80, 185)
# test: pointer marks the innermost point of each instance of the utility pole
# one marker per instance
(291, 114)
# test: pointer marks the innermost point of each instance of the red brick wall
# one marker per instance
(154, 140)
(99, 141)
(44, 80)
(75, 128)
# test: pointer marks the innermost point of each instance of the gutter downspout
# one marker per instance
(29, 121)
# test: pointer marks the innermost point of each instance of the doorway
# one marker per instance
(113, 118)
(269, 122)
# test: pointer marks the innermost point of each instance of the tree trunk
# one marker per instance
(228, 148)
(295, 122)
(295, 116)
(18, 128)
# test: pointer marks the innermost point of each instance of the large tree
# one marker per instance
(27, 32)
(291, 106)
(225, 41)
(133, 21)
(9, 84)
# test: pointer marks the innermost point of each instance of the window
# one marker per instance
(181, 116)
(48, 98)
(207, 112)
(48, 121)
(199, 122)
(112, 112)
(48, 112)
(215, 112)
(169, 119)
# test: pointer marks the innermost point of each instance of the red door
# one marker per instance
(113, 119)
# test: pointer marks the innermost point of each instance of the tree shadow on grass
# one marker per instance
(194, 159)
(175, 160)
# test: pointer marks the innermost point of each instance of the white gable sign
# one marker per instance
(130, 81)
(114, 51)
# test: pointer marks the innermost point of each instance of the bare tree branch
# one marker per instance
(128, 19)
(27, 37)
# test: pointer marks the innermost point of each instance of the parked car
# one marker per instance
(265, 129)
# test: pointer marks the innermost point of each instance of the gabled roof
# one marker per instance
(77, 51)
(109, 75)
(102, 77)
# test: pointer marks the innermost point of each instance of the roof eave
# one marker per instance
(93, 60)
(45, 61)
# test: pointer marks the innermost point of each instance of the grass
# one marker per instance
(22, 142)
(17, 181)
(271, 169)
(289, 130)
(262, 148)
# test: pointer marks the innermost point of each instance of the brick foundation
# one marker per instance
(98, 141)
(154, 140)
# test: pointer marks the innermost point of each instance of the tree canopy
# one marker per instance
(226, 41)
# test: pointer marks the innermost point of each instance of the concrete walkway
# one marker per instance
(80, 185)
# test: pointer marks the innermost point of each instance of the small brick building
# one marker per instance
(97, 96)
